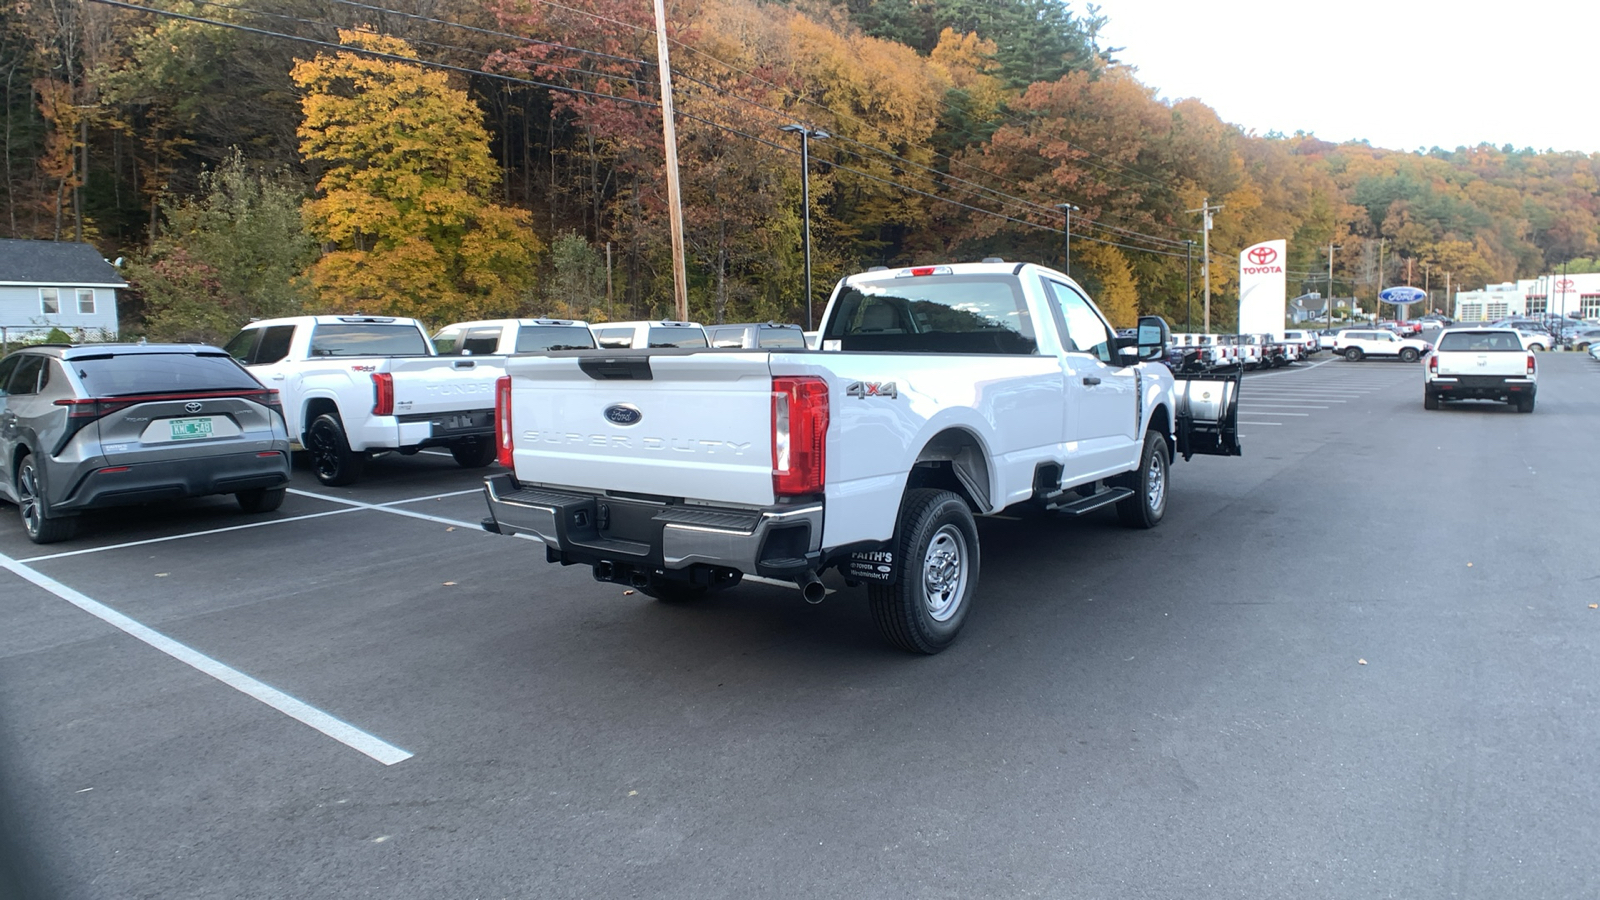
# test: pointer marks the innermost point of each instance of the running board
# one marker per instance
(1092, 502)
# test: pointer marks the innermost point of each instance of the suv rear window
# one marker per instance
(368, 340)
(541, 338)
(1479, 341)
(783, 338)
(114, 375)
(948, 314)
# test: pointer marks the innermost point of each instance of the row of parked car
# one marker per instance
(97, 425)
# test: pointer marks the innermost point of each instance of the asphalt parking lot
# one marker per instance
(1358, 662)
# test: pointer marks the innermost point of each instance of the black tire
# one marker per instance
(473, 453)
(1525, 403)
(1148, 505)
(1430, 400)
(41, 526)
(1353, 354)
(331, 457)
(935, 540)
(668, 591)
(260, 500)
(1409, 354)
(1535, 348)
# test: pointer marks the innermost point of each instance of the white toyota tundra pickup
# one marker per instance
(355, 386)
(939, 393)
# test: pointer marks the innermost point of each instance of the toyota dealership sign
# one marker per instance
(1263, 288)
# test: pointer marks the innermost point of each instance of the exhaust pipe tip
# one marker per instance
(811, 588)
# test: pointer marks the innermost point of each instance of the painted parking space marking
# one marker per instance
(338, 729)
(188, 534)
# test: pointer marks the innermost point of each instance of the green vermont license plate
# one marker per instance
(190, 429)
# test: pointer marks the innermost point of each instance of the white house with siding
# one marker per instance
(57, 284)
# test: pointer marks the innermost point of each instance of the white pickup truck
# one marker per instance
(1480, 364)
(355, 386)
(939, 393)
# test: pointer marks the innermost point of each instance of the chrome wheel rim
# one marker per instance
(944, 573)
(1155, 489)
(28, 497)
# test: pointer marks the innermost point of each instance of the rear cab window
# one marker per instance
(783, 338)
(665, 337)
(545, 338)
(614, 338)
(1479, 342)
(933, 314)
(368, 339)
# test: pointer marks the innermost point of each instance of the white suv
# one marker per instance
(1356, 344)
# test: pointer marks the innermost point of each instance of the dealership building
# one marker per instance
(1571, 295)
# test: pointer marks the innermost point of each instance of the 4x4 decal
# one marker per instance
(865, 389)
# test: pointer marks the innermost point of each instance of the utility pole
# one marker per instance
(1188, 288)
(1377, 299)
(1449, 305)
(1067, 209)
(1205, 210)
(669, 134)
(806, 134)
(608, 279)
(1331, 248)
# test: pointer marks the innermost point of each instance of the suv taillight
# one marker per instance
(382, 394)
(1530, 363)
(799, 435)
(502, 421)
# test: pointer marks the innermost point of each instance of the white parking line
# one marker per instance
(1258, 411)
(1242, 422)
(299, 710)
(476, 490)
(1273, 404)
(384, 507)
(175, 537)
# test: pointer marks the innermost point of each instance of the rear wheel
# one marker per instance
(331, 457)
(1536, 348)
(1409, 354)
(260, 500)
(1525, 403)
(41, 526)
(1353, 354)
(1148, 504)
(473, 453)
(1430, 400)
(936, 549)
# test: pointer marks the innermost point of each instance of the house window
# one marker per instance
(1538, 305)
(86, 301)
(50, 301)
(1589, 306)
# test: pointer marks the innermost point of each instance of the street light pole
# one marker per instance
(1067, 209)
(806, 134)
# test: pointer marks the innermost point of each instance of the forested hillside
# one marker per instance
(488, 157)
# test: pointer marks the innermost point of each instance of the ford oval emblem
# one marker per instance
(623, 414)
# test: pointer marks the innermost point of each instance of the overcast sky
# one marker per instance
(1401, 74)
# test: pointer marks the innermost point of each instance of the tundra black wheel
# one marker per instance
(42, 528)
(473, 453)
(1430, 400)
(260, 500)
(1525, 403)
(1353, 354)
(1148, 504)
(1409, 354)
(331, 457)
(936, 551)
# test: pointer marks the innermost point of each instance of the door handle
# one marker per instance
(278, 377)
(465, 364)
(1090, 380)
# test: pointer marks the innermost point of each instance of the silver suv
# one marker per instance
(100, 425)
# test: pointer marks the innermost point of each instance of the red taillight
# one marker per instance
(113, 470)
(1530, 363)
(922, 270)
(502, 421)
(1433, 363)
(799, 435)
(90, 408)
(383, 394)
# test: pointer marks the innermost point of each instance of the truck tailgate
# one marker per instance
(426, 386)
(696, 425)
(1505, 363)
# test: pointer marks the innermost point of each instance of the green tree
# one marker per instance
(404, 196)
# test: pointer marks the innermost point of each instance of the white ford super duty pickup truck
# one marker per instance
(355, 386)
(939, 393)
(1480, 364)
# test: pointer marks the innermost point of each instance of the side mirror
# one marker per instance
(1154, 336)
